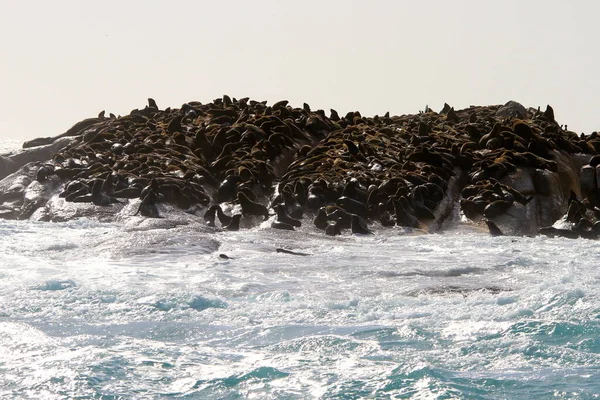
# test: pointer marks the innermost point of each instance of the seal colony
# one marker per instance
(512, 169)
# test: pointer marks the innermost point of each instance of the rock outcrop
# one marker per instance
(512, 166)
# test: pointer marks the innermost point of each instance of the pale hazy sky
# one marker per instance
(62, 61)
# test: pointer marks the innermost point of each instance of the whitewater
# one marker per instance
(171, 308)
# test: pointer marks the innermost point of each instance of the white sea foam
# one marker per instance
(10, 145)
(138, 309)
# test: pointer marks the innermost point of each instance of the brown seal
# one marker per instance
(250, 207)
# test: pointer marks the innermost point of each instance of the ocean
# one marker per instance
(169, 308)
(10, 145)
(138, 310)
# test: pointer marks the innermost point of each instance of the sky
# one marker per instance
(62, 61)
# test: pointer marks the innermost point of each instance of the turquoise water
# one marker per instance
(135, 310)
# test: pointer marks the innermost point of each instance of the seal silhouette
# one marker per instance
(359, 225)
(282, 216)
(250, 207)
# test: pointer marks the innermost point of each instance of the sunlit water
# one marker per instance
(10, 145)
(130, 310)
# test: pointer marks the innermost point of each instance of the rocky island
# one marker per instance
(512, 168)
